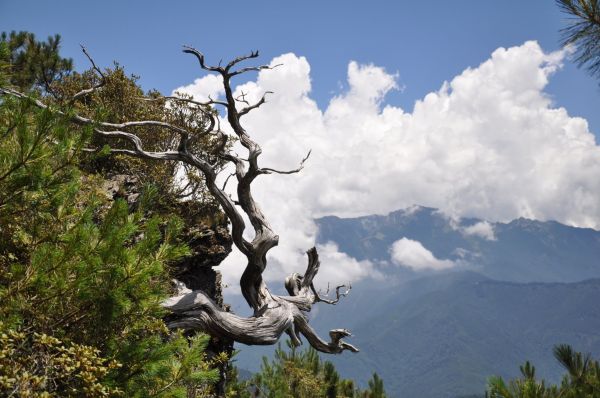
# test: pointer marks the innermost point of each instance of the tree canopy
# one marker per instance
(32, 63)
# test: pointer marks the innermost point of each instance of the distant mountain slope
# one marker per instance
(522, 251)
(450, 332)
(432, 334)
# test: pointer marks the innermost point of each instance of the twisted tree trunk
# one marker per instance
(273, 315)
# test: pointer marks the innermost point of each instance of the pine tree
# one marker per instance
(332, 380)
(376, 389)
(82, 276)
(583, 30)
(582, 379)
(32, 63)
(302, 374)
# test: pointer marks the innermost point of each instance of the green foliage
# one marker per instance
(121, 99)
(581, 381)
(4, 64)
(82, 276)
(30, 363)
(301, 374)
(37, 174)
(376, 389)
(291, 373)
(583, 30)
(583, 373)
(32, 63)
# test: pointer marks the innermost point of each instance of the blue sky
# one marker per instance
(362, 85)
(424, 42)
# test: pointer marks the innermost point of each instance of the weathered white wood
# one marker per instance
(273, 315)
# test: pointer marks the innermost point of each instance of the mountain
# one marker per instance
(520, 251)
(516, 289)
(443, 336)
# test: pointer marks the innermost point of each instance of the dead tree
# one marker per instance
(273, 314)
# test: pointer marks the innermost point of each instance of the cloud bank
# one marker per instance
(489, 143)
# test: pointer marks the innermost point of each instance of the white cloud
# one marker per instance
(338, 265)
(482, 229)
(203, 88)
(411, 253)
(488, 144)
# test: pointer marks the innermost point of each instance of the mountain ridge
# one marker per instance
(522, 250)
(517, 289)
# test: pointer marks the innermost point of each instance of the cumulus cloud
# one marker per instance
(411, 253)
(203, 88)
(482, 229)
(489, 144)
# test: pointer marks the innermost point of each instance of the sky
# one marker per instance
(471, 107)
(424, 42)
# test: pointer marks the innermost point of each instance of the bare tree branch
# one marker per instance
(86, 121)
(188, 100)
(273, 314)
(267, 170)
(227, 180)
(216, 102)
(200, 57)
(237, 60)
(100, 84)
(242, 98)
(253, 68)
(338, 295)
(251, 107)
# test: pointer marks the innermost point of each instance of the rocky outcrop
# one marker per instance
(209, 245)
(209, 242)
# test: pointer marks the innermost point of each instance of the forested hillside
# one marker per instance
(451, 339)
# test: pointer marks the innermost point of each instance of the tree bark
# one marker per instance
(194, 310)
